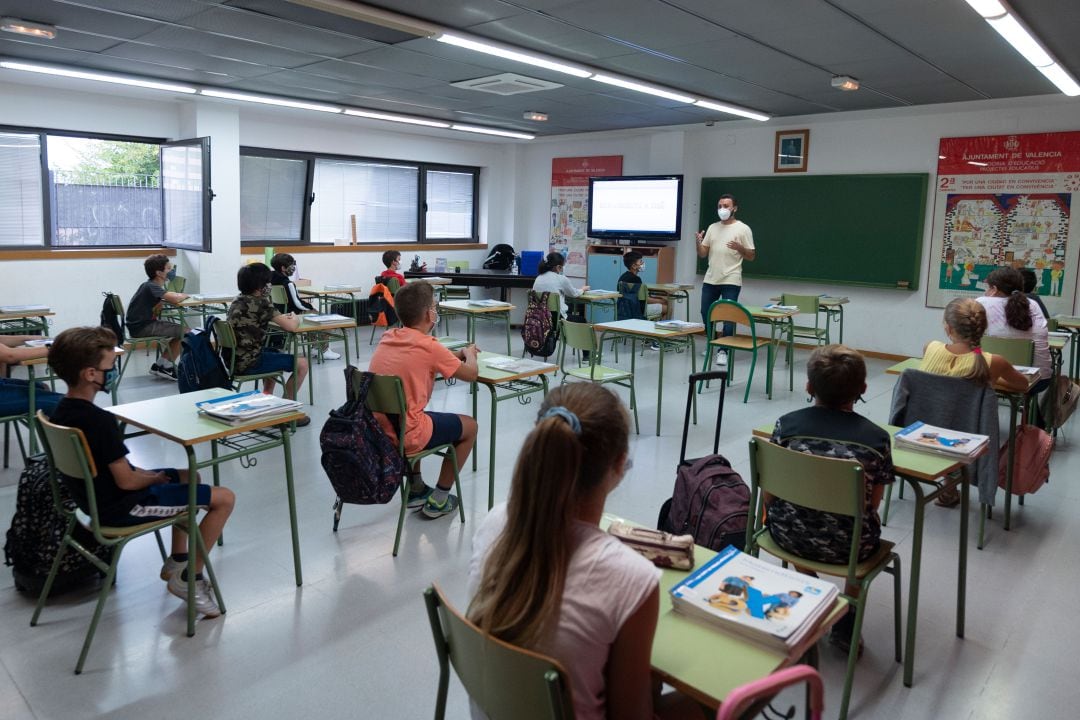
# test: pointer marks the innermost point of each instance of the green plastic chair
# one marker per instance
(581, 336)
(393, 285)
(808, 305)
(730, 311)
(506, 682)
(386, 395)
(68, 454)
(829, 485)
(226, 338)
(157, 343)
(1018, 351)
(176, 285)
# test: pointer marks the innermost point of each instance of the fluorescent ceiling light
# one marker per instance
(512, 54)
(491, 131)
(642, 88)
(97, 77)
(25, 27)
(1065, 82)
(263, 100)
(1018, 36)
(731, 110)
(988, 8)
(397, 118)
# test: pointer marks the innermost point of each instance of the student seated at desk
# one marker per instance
(14, 394)
(85, 359)
(143, 309)
(634, 262)
(284, 265)
(411, 353)
(1030, 282)
(835, 379)
(392, 260)
(550, 279)
(250, 314)
(545, 577)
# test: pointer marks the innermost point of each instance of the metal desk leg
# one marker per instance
(286, 432)
(961, 580)
(192, 532)
(507, 317)
(913, 580)
(31, 418)
(659, 387)
(472, 392)
(491, 442)
(216, 472)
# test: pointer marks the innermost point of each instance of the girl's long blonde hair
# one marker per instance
(966, 318)
(521, 584)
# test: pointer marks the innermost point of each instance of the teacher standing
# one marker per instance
(726, 243)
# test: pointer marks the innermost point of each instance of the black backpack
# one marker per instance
(200, 367)
(538, 331)
(361, 460)
(111, 319)
(37, 531)
(501, 257)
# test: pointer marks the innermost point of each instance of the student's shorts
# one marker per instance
(157, 501)
(446, 429)
(159, 328)
(271, 360)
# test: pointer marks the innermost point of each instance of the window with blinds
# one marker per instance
(379, 200)
(451, 210)
(21, 199)
(272, 199)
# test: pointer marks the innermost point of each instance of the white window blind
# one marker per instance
(182, 184)
(381, 199)
(449, 205)
(20, 191)
(271, 198)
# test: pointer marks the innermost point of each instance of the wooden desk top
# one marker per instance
(306, 327)
(490, 375)
(330, 289)
(669, 288)
(769, 315)
(825, 300)
(594, 296)
(1068, 321)
(465, 307)
(175, 418)
(645, 328)
(200, 299)
(45, 358)
(21, 314)
(434, 280)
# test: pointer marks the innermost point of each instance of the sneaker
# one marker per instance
(654, 345)
(433, 510)
(419, 499)
(204, 594)
(172, 567)
(167, 373)
(949, 497)
(331, 355)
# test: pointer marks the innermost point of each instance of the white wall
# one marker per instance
(906, 140)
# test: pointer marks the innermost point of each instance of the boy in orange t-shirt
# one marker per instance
(414, 355)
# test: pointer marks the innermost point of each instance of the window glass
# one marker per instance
(20, 190)
(184, 185)
(380, 200)
(271, 199)
(449, 205)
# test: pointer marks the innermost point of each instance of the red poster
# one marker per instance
(570, 205)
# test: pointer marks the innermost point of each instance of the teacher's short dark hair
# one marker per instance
(729, 196)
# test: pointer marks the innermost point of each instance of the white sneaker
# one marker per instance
(331, 355)
(204, 594)
(172, 567)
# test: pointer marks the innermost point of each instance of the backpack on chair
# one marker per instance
(538, 331)
(111, 319)
(200, 367)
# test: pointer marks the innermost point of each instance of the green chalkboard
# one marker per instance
(837, 229)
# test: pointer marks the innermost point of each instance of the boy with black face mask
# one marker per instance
(85, 359)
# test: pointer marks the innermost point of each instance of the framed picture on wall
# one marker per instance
(792, 151)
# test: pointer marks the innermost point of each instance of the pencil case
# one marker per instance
(660, 548)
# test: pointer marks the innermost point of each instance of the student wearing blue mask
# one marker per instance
(144, 313)
(85, 359)
(726, 243)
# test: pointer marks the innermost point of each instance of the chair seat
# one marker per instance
(144, 342)
(864, 568)
(739, 342)
(599, 373)
(113, 531)
(809, 330)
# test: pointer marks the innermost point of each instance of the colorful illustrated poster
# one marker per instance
(1006, 200)
(570, 206)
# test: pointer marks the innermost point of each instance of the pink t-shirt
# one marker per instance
(605, 584)
(415, 357)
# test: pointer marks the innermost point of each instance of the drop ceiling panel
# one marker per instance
(214, 45)
(624, 19)
(549, 35)
(351, 71)
(401, 59)
(167, 10)
(165, 62)
(68, 40)
(281, 33)
(105, 63)
(81, 18)
(1057, 23)
(318, 19)
(743, 59)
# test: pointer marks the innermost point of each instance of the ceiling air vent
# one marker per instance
(506, 84)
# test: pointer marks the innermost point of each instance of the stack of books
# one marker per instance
(754, 600)
(777, 307)
(24, 308)
(207, 297)
(326, 319)
(245, 407)
(678, 325)
(940, 441)
(516, 365)
(488, 303)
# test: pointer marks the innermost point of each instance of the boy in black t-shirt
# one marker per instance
(142, 313)
(283, 265)
(85, 359)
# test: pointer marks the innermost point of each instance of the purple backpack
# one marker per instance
(710, 502)
(361, 460)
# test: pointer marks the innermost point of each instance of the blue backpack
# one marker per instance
(200, 366)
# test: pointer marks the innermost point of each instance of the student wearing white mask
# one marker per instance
(726, 243)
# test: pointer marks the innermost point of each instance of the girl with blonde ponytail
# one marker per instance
(962, 356)
(544, 576)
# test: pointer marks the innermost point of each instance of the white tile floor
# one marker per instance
(354, 640)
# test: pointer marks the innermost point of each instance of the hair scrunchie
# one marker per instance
(570, 418)
(977, 350)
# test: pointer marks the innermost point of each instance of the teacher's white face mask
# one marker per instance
(724, 213)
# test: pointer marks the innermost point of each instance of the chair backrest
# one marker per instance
(1051, 324)
(833, 485)
(393, 284)
(630, 306)
(226, 342)
(723, 311)
(555, 302)
(118, 306)
(806, 303)
(505, 681)
(739, 700)
(68, 454)
(579, 336)
(278, 296)
(386, 395)
(1018, 351)
(177, 284)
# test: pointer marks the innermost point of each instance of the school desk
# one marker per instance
(311, 333)
(471, 311)
(1016, 400)
(921, 469)
(594, 298)
(1071, 325)
(328, 295)
(667, 339)
(679, 292)
(833, 307)
(197, 305)
(782, 321)
(505, 385)
(175, 418)
(25, 319)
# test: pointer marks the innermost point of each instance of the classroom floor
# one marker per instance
(354, 641)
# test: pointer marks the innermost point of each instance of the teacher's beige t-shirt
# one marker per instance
(725, 264)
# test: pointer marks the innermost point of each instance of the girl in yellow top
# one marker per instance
(965, 324)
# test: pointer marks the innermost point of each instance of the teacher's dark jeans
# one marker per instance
(712, 293)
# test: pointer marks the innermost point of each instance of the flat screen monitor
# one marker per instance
(641, 208)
